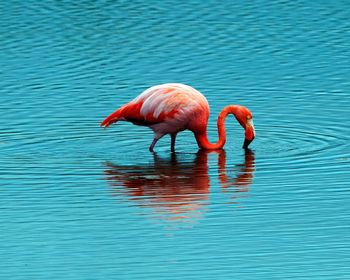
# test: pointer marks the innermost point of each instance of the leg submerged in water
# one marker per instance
(173, 140)
(154, 142)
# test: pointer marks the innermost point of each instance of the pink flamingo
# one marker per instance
(171, 108)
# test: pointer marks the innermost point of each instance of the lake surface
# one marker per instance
(80, 202)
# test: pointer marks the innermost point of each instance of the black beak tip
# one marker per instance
(246, 143)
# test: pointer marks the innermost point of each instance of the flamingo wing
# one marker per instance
(158, 104)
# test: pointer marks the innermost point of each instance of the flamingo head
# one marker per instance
(245, 118)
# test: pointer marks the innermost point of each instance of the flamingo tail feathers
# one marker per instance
(112, 118)
(128, 112)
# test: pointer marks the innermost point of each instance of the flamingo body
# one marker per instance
(171, 108)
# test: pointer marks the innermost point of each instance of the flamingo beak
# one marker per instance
(246, 143)
(249, 134)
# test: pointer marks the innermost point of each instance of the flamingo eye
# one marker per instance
(250, 121)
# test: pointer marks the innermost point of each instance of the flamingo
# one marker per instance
(173, 107)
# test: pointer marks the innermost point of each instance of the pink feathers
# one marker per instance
(171, 108)
(163, 103)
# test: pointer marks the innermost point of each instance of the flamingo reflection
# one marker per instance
(174, 187)
(244, 173)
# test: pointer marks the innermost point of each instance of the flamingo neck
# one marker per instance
(202, 138)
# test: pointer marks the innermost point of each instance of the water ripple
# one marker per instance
(93, 202)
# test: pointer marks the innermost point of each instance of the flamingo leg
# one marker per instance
(154, 142)
(173, 139)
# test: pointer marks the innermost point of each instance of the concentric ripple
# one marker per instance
(286, 141)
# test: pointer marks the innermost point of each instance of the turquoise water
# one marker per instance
(80, 202)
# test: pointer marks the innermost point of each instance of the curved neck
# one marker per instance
(202, 138)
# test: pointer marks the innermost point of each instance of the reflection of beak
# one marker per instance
(249, 134)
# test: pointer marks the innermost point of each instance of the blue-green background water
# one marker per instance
(80, 202)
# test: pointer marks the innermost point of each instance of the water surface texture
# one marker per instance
(81, 202)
